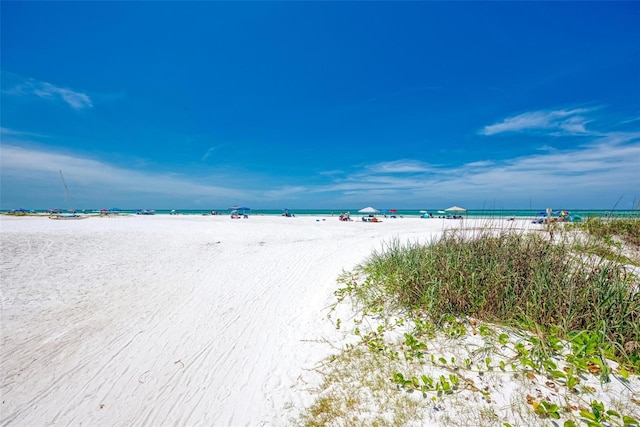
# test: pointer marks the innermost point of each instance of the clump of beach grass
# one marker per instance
(514, 279)
(611, 238)
(627, 229)
(444, 324)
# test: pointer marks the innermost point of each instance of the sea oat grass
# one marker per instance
(612, 239)
(515, 279)
(491, 328)
(627, 229)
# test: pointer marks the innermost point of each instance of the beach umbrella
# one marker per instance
(455, 209)
(240, 209)
(369, 209)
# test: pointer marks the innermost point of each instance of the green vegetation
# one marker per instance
(522, 280)
(612, 239)
(628, 229)
(543, 306)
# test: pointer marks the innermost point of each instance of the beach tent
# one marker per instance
(455, 209)
(369, 209)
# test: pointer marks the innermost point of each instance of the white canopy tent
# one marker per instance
(455, 209)
(369, 210)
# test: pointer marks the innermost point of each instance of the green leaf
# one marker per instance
(613, 413)
(630, 421)
(415, 382)
(503, 339)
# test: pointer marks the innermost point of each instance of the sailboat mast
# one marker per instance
(66, 191)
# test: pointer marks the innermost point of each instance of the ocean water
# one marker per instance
(405, 213)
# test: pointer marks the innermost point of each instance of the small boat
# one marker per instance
(71, 214)
(68, 216)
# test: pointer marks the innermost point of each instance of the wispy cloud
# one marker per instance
(5, 132)
(593, 175)
(97, 182)
(209, 153)
(598, 172)
(559, 122)
(399, 166)
(76, 100)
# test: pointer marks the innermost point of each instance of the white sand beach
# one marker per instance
(172, 320)
(175, 320)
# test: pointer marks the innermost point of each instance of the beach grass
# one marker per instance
(613, 239)
(443, 325)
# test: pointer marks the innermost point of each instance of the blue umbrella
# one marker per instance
(241, 209)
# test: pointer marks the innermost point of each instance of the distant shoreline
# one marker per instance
(406, 213)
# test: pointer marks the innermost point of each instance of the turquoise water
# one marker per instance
(407, 213)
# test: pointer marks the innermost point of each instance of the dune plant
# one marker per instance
(522, 280)
(627, 229)
(539, 311)
(613, 239)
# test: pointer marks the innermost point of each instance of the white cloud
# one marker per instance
(567, 122)
(76, 100)
(208, 153)
(591, 176)
(399, 166)
(93, 180)
(16, 133)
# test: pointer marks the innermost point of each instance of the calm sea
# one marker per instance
(406, 213)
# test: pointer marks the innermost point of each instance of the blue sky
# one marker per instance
(204, 105)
